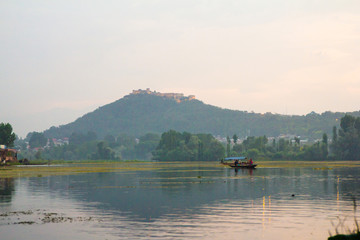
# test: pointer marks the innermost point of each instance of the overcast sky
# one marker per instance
(61, 59)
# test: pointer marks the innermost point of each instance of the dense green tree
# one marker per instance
(274, 144)
(347, 123)
(228, 150)
(215, 151)
(147, 144)
(347, 145)
(253, 153)
(324, 147)
(103, 152)
(193, 147)
(238, 149)
(37, 140)
(235, 138)
(258, 143)
(38, 155)
(170, 140)
(297, 140)
(125, 141)
(283, 145)
(334, 138)
(175, 146)
(7, 137)
(325, 139)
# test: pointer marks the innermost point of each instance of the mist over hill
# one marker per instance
(138, 114)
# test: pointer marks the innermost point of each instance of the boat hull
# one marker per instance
(240, 165)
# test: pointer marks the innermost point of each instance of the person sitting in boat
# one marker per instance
(251, 161)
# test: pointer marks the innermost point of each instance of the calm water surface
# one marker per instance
(180, 201)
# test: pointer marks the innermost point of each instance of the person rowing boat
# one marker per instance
(238, 162)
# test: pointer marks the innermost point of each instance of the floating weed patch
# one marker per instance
(158, 185)
(69, 169)
(117, 187)
(175, 183)
(189, 170)
(238, 177)
(8, 214)
(170, 186)
(26, 222)
(170, 178)
(149, 183)
(40, 217)
(143, 186)
(323, 168)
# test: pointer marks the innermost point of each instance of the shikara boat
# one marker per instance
(238, 162)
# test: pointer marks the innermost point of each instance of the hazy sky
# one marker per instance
(61, 59)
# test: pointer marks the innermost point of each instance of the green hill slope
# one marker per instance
(143, 113)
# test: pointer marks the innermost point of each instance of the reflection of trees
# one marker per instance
(346, 183)
(7, 188)
(244, 171)
(184, 188)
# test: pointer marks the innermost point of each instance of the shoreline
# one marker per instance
(71, 168)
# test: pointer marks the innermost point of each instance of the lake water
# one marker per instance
(181, 201)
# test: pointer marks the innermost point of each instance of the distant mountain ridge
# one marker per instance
(140, 113)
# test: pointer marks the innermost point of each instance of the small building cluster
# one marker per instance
(288, 137)
(178, 97)
(58, 142)
(55, 142)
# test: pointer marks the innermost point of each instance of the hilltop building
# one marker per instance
(178, 97)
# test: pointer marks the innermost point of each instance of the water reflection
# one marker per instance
(244, 171)
(186, 202)
(6, 189)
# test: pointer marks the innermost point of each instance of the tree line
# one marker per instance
(282, 149)
(170, 146)
(344, 145)
(87, 146)
(176, 146)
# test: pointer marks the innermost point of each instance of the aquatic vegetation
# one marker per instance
(351, 234)
(39, 217)
(26, 222)
(20, 171)
(135, 195)
(323, 168)
(70, 169)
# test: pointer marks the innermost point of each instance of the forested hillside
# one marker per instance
(136, 115)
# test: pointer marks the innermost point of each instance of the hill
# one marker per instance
(141, 113)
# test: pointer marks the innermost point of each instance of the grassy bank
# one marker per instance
(68, 168)
(49, 168)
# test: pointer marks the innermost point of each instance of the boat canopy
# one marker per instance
(235, 158)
